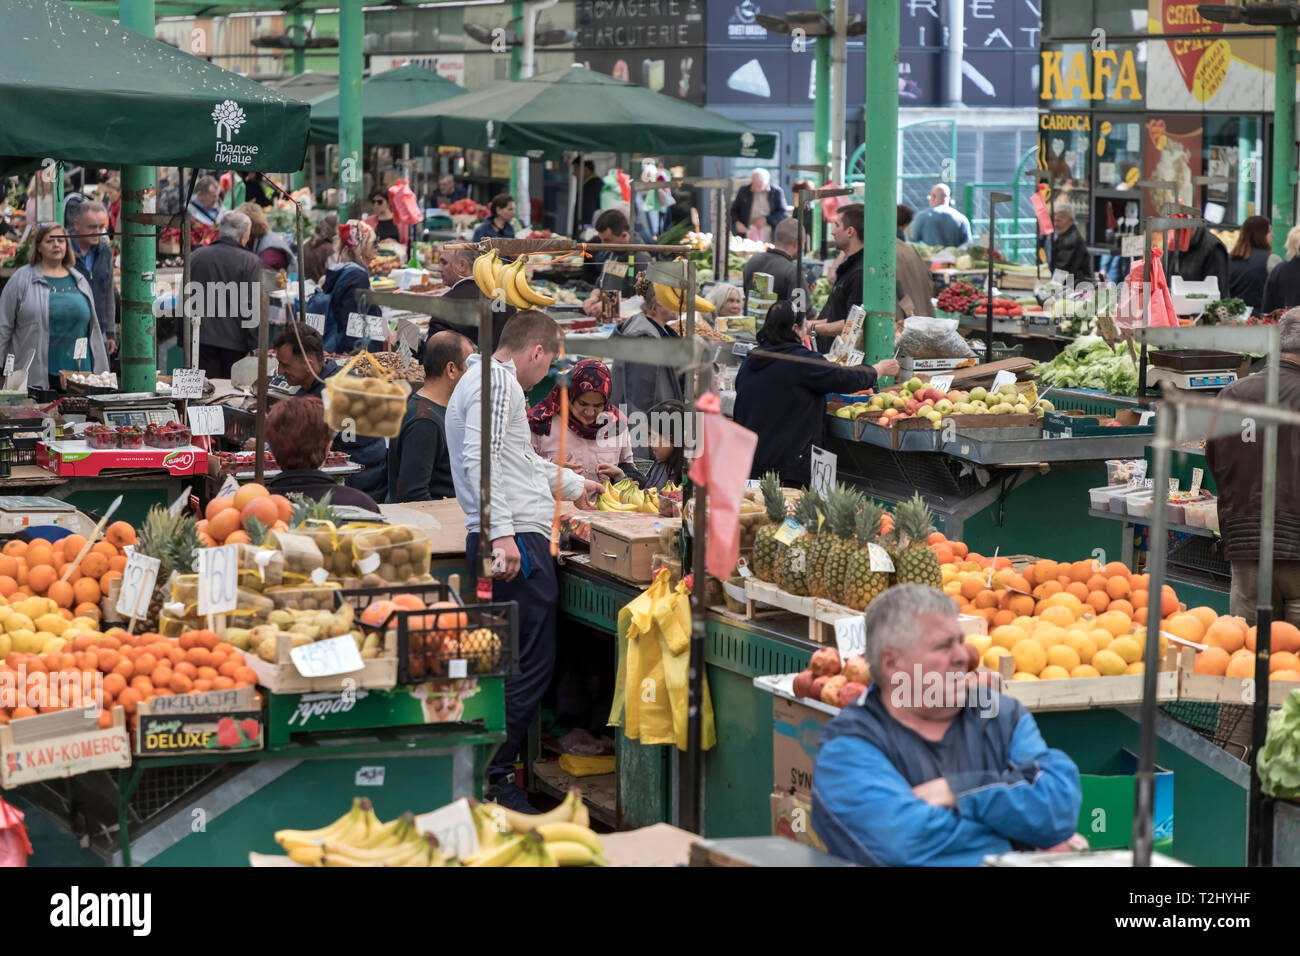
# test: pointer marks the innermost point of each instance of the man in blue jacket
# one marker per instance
(927, 768)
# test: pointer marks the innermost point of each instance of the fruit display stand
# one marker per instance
(140, 489)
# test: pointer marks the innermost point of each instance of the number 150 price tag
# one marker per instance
(218, 579)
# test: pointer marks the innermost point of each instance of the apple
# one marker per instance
(944, 405)
(910, 406)
(978, 394)
(915, 383)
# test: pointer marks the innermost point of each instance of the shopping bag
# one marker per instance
(1129, 311)
(406, 211)
(15, 847)
(722, 465)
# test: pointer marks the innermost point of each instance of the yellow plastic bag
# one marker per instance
(652, 688)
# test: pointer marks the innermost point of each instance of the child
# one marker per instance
(667, 436)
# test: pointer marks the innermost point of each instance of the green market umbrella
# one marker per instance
(403, 88)
(577, 110)
(78, 88)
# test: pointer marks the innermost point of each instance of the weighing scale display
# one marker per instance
(140, 417)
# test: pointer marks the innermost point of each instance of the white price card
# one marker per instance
(369, 777)
(356, 325)
(376, 327)
(338, 655)
(316, 320)
(1003, 377)
(408, 333)
(188, 382)
(275, 314)
(942, 382)
(79, 349)
(823, 471)
(9, 363)
(1140, 468)
(453, 826)
(206, 419)
(138, 580)
(880, 559)
(855, 357)
(219, 580)
(1173, 486)
(851, 635)
(615, 268)
(1198, 476)
(1133, 246)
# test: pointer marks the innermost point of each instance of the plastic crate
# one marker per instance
(483, 638)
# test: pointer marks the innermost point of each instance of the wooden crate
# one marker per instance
(1208, 688)
(1086, 693)
(281, 676)
(61, 744)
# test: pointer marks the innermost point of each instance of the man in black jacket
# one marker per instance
(419, 466)
(1237, 463)
(779, 262)
(457, 266)
(87, 224)
(589, 197)
(761, 204)
(1069, 251)
(847, 291)
(232, 281)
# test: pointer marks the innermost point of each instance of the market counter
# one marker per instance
(140, 490)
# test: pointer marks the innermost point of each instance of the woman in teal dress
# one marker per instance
(47, 313)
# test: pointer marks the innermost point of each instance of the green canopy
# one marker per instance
(577, 109)
(77, 88)
(399, 89)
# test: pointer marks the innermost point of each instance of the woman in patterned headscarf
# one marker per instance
(597, 444)
(356, 250)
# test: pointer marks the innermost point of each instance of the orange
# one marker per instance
(246, 674)
(284, 508)
(1082, 570)
(1097, 582)
(181, 684)
(1045, 571)
(942, 553)
(15, 548)
(969, 588)
(1168, 602)
(1138, 597)
(1226, 634)
(8, 566)
(238, 537)
(216, 506)
(1116, 569)
(986, 599)
(61, 593)
(104, 548)
(145, 663)
(1284, 675)
(7, 585)
(125, 667)
(223, 682)
(208, 639)
(1283, 661)
(186, 668)
(40, 553)
(1118, 587)
(1065, 579)
(1003, 617)
(143, 684)
(199, 656)
(202, 684)
(87, 610)
(1283, 637)
(1021, 605)
(1052, 587)
(223, 523)
(129, 699)
(264, 510)
(1206, 615)
(958, 548)
(72, 546)
(1099, 601)
(175, 655)
(1122, 606)
(1241, 664)
(107, 578)
(94, 565)
(117, 564)
(1186, 626)
(249, 492)
(41, 577)
(1078, 589)
(119, 534)
(87, 591)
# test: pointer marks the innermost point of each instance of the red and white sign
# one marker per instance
(450, 66)
(52, 757)
(76, 458)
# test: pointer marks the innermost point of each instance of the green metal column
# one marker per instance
(822, 114)
(298, 64)
(139, 247)
(1284, 153)
(352, 26)
(880, 178)
(516, 62)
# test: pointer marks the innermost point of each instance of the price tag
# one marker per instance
(1135, 483)
(1173, 486)
(206, 419)
(743, 348)
(453, 826)
(855, 357)
(942, 382)
(1140, 468)
(369, 777)
(356, 325)
(316, 320)
(1133, 246)
(823, 471)
(742, 566)
(408, 333)
(1198, 475)
(188, 382)
(138, 580)
(319, 576)
(369, 563)
(404, 351)
(615, 268)
(1003, 377)
(228, 487)
(219, 580)
(851, 635)
(79, 349)
(880, 559)
(9, 363)
(338, 655)
(458, 669)
(275, 314)
(376, 327)
(789, 531)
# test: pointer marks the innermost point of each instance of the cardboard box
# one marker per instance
(61, 744)
(796, 738)
(209, 722)
(792, 819)
(1106, 813)
(624, 546)
(282, 676)
(77, 459)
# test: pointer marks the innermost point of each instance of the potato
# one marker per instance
(387, 572)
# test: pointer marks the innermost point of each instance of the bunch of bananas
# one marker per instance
(672, 297)
(626, 496)
(359, 838)
(494, 278)
(558, 838)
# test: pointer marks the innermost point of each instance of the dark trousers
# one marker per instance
(538, 596)
(217, 362)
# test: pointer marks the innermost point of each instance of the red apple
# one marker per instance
(803, 683)
(850, 693)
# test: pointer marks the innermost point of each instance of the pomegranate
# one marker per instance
(850, 693)
(818, 685)
(825, 662)
(857, 670)
(803, 683)
(831, 689)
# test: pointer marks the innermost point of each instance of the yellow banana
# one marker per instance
(307, 854)
(499, 856)
(605, 503)
(528, 293)
(342, 855)
(340, 825)
(484, 274)
(669, 296)
(571, 833)
(568, 853)
(704, 305)
(488, 823)
(564, 813)
(508, 281)
(390, 834)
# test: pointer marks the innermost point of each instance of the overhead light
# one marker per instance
(554, 37)
(857, 26)
(1220, 13)
(284, 41)
(1271, 14)
(812, 23)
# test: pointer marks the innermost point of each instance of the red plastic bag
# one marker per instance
(406, 211)
(15, 848)
(831, 204)
(725, 455)
(1129, 314)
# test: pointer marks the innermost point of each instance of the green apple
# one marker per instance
(944, 405)
(915, 384)
(1045, 406)
(845, 412)
(978, 395)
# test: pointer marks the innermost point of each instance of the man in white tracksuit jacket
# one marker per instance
(522, 509)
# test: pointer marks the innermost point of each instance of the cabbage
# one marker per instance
(1279, 761)
(1088, 362)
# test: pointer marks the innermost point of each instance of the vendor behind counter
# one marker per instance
(300, 439)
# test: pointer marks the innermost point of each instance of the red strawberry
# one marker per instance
(252, 730)
(227, 732)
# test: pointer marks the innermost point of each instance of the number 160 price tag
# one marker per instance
(218, 579)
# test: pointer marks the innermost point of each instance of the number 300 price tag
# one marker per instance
(218, 579)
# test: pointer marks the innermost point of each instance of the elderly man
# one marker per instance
(1237, 463)
(907, 776)
(87, 224)
(1069, 251)
(758, 207)
(231, 277)
(448, 192)
(205, 204)
(779, 262)
(941, 224)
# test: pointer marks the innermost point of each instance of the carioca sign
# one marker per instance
(1089, 75)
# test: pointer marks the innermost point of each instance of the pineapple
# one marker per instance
(766, 547)
(309, 509)
(861, 584)
(916, 562)
(793, 573)
(842, 510)
(820, 548)
(174, 541)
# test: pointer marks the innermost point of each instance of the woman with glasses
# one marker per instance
(597, 445)
(381, 218)
(47, 313)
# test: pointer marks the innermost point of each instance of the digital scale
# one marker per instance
(140, 409)
(1194, 369)
(20, 513)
